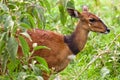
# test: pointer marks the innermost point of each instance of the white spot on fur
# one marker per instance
(34, 45)
(89, 25)
(71, 57)
(53, 68)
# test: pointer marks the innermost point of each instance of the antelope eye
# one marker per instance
(92, 20)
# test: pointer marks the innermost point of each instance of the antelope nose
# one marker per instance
(108, 30)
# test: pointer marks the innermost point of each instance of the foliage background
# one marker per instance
(100, 59)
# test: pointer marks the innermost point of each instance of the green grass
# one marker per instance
(52, 15)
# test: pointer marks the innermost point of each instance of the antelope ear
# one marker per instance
(85, 8)
(73, 12)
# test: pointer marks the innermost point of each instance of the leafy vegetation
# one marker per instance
(100, 59)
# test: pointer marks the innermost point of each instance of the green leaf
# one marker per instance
(30, 77)
(35, 69)
(2, 45)
(63, 17)
(32, 21)
(47, 4)
(13, 65)
(12, 6)
(9, 22)
(25, 25)
(12, 47)
(39, 77)
(43, 63)
(24, 45)
(4, 7)
(21, 75)
(40, 47)
(4, 61)
(39, 11)
(104, 71)
(29, 18)
(3, 41)
(70, 4)
(26, 35)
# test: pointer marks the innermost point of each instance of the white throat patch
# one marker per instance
(71, 57)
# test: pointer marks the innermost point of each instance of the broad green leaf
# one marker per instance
(2, 14)
(44, 68)
(35, 69)
(38, 12)
(31, 77)
(24, 19)
(21, 75)
(32, 21)
(9, 22)
(12, 47)
(41, 2)
(4, 36)
(26, 67)
(5, 58)
(2, 45)
(12, 6)
(25, 25)
(104, 72)
(41, 61)
(47, 4)
(43, 64)
(40, 17)
(27, 17)
(13, 65)
(70, 4)
(40, 47)
(2, 41)
(4, 7)
(39, 78)
(63, 17)
(24, 45)
(26, 35)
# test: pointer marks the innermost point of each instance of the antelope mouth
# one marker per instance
(106, 32)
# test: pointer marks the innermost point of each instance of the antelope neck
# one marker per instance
(77, 40)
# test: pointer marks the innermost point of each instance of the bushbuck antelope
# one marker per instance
(61, 46)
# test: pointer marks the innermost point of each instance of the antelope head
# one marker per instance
(89, 21)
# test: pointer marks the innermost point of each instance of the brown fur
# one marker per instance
(53, 56)
(62, 46)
